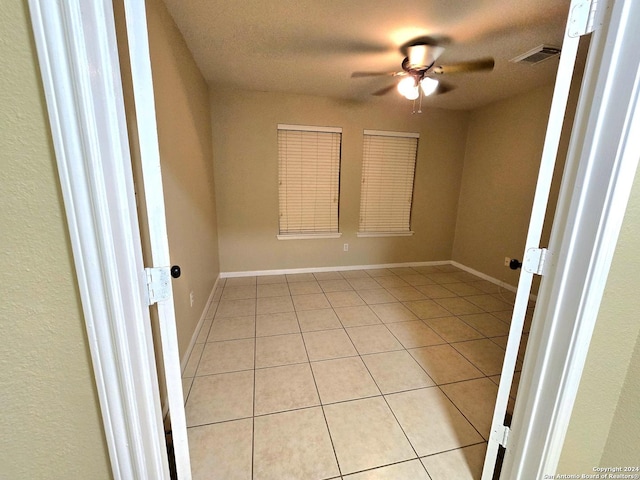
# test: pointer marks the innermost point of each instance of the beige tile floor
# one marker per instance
(357, 375)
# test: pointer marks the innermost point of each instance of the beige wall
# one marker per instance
(501, 164)
(605, 423)
(50, 425)
(623, 442)
(502, 159)
(246, 172)
(184, 134)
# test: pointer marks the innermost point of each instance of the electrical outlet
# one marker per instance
(506, 261)
(346, 247)
(191, 297)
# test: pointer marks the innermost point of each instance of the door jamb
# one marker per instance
(599, 172)
(78, 57)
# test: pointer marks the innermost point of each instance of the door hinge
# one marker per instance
(158, 284)
(504, 436)
(585, 16)
(535, 260)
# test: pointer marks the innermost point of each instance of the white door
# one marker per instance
(535, 258)
(159, 272)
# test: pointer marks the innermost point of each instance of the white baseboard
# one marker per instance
(194, 338)
(484, 276)
(201, 322)
(488, 278)
(342, 268)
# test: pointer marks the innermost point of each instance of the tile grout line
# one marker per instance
(385, 397)
(439, 385)
(461, 413)
(372, 469)
(324, 415)
(360, 356)
(378, 386)
(255, 360)
(195, 372)
(394, 413)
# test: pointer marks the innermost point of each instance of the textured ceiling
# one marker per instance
(312, 46)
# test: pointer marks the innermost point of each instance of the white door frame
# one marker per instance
(79, 65)
(499, 432)
(599, 172)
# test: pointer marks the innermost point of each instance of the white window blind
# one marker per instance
(309, 180)
(388, 167)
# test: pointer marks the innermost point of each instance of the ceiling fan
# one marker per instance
(419, 69)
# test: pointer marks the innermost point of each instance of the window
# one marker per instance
(309, 181)
(388, 166)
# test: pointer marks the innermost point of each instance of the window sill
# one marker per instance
(385, 234)
(309, 236)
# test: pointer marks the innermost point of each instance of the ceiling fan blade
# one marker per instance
(384, 91)
(375, 74)
(484, 64)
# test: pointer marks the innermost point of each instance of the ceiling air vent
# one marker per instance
(537, 55)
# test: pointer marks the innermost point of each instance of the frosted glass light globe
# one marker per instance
(408, 88)
(428, 85)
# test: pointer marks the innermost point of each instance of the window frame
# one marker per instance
(300, 235)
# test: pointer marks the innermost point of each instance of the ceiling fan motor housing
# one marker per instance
(422, 57)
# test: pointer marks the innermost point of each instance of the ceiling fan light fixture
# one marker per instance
(408, 88)
(428, 85)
